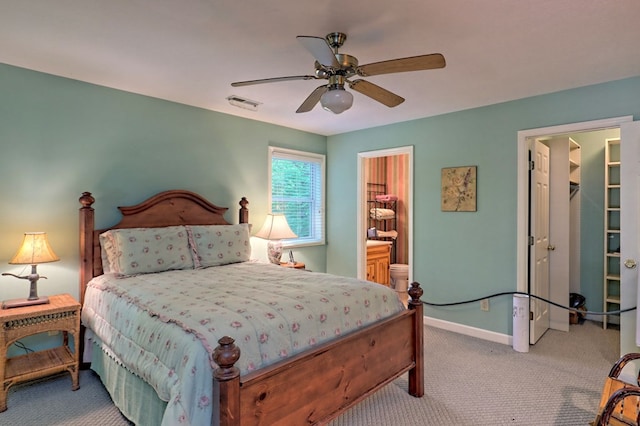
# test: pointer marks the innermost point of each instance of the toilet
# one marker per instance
(399, 277)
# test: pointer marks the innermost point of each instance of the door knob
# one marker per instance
(551, 247)
(630, 263)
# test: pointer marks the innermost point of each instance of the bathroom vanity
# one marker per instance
(378, 261)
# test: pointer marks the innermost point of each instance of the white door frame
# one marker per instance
(361, 234)
(523, 182)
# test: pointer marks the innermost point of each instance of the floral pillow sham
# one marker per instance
(134, 251)
(216, 245)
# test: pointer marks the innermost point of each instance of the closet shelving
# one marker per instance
(574, 167)
(611, 228)
(386, 224)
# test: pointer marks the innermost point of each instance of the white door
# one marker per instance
(539, 267)
(629, 244)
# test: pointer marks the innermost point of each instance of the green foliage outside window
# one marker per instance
(292, 193)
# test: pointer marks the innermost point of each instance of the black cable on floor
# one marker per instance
(22, 346)
(510, 293)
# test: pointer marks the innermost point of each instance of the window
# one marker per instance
(297, 190)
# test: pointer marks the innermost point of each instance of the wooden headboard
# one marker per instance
(168, 208)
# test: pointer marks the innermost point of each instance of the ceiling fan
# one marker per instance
(338, 68)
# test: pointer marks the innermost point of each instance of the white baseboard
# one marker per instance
(469, 331)
(613, 319)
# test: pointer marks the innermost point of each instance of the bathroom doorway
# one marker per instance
(390, 172)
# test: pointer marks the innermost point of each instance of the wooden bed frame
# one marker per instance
(313, 387)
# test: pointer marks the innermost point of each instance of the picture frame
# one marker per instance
(458, 189)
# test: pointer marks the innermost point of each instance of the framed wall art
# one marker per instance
(458, 192)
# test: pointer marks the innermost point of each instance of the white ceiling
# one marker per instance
(189, 51)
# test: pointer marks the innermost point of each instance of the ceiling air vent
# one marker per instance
(243, 103)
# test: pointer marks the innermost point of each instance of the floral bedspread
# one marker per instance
(164, 327)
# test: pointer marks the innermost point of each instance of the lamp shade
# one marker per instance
(34, 249)
(336, 100)
(275, 228)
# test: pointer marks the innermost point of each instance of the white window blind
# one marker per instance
(297, 190)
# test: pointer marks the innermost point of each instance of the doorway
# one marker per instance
(404, 253)
(523, 213)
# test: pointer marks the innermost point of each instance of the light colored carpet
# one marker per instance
(468, 382)
(475, 382)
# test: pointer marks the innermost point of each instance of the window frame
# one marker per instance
(297, 155)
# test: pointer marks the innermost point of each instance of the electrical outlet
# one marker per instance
(484, 305)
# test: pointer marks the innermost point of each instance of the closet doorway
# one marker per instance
(391, 171)
(590, 258)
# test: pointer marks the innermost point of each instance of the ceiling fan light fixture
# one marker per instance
(336, 100)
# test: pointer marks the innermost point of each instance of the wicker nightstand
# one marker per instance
(62, 313)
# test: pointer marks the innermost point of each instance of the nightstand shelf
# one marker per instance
(62, 314)
(39, 364)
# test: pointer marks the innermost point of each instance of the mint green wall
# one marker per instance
(460, 256)
(60, 137)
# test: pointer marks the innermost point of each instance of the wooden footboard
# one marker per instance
(315, 387)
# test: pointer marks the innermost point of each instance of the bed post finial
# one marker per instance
(244, 211)
(86, 199)
(416, 293)
(226, 354)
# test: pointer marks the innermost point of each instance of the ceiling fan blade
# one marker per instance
(312, 99)
(413, 63)
(376, 92)
(320, 50)
(274, 80)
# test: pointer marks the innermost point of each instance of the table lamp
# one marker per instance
(275, 229)
(35, 249)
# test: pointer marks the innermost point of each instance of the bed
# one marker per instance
(307, 386)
